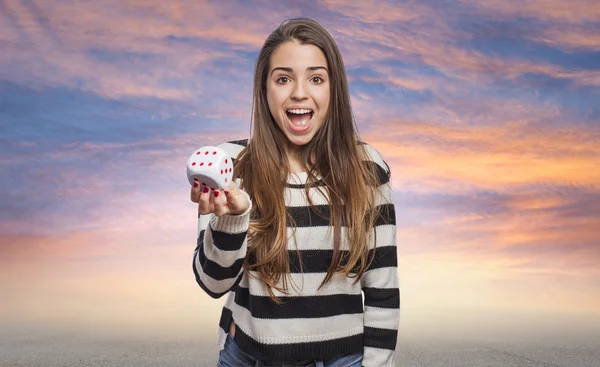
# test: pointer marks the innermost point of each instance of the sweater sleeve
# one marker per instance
(220, 251)
(380, 284)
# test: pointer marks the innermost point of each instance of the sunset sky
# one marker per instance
(487, 112)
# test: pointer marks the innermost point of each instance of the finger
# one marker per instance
(195, 191)
(204, 200)
(211, 201)
(220, 203)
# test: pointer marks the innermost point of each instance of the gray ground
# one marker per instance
(422, 350)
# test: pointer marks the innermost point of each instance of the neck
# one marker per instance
(295, 164)
(294, 155)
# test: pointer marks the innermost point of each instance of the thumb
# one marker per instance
(238, 201)
(232, 190)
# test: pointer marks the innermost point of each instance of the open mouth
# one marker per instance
(300, 117)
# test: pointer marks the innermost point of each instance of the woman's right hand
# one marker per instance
(229, 201)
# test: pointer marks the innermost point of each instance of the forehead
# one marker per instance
(297, 56)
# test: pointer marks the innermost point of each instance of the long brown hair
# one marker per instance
(335, 154)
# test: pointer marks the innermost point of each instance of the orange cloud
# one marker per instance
(488, 156)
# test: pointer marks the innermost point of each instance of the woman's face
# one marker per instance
(298, 91)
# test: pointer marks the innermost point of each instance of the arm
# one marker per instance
(220, 251)
(380, 285)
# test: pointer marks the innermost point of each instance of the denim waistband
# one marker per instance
(302, 363)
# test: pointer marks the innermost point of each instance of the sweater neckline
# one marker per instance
(297, 177)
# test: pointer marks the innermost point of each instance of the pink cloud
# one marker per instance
(574, 38)
(384, 12)
(429, 40)
(61, 46)
(576, 11)
(54, 51)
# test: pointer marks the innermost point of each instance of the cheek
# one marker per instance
(271, 102)
(274, 98)
(323, 101)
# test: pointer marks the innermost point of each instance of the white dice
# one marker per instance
(211, 166)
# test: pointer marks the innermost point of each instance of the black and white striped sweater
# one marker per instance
(312, 323)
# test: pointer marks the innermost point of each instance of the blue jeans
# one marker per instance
(233, 356)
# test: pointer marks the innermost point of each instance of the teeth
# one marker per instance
(299, 111)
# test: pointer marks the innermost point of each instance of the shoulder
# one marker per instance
(234, 147)
(376, 160)
(373, 156)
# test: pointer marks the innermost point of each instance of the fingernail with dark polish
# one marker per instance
(195, 183)
(206, 189)
(216, 193)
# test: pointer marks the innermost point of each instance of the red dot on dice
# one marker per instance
(197, 153)
(206, 152)
(231, 169)
(226, 161)
(210, 164)
(214, 152)
(225, 179)
(193, 163)
(221, 171)
(202, 163)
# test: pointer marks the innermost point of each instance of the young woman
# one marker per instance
(307, 227)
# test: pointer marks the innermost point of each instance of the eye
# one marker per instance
(281, 81)
(317, 79)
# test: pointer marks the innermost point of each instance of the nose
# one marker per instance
(298, 92)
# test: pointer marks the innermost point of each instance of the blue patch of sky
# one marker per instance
(578, 102)
(227, 69)
(391, 95)
(416, 67)
(386, 91)
(242, 61)
(361, 72)
(435, 207)
(62, 115)
(65, 115)
(510, 40)
(592, 116)
(238, 61)
(183, 39)
(198, 44)
(25, 192)
(31, 188)
(117, 57)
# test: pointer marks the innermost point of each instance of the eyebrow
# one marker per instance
(289, 70)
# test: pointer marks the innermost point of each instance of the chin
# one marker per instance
(300, 142)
